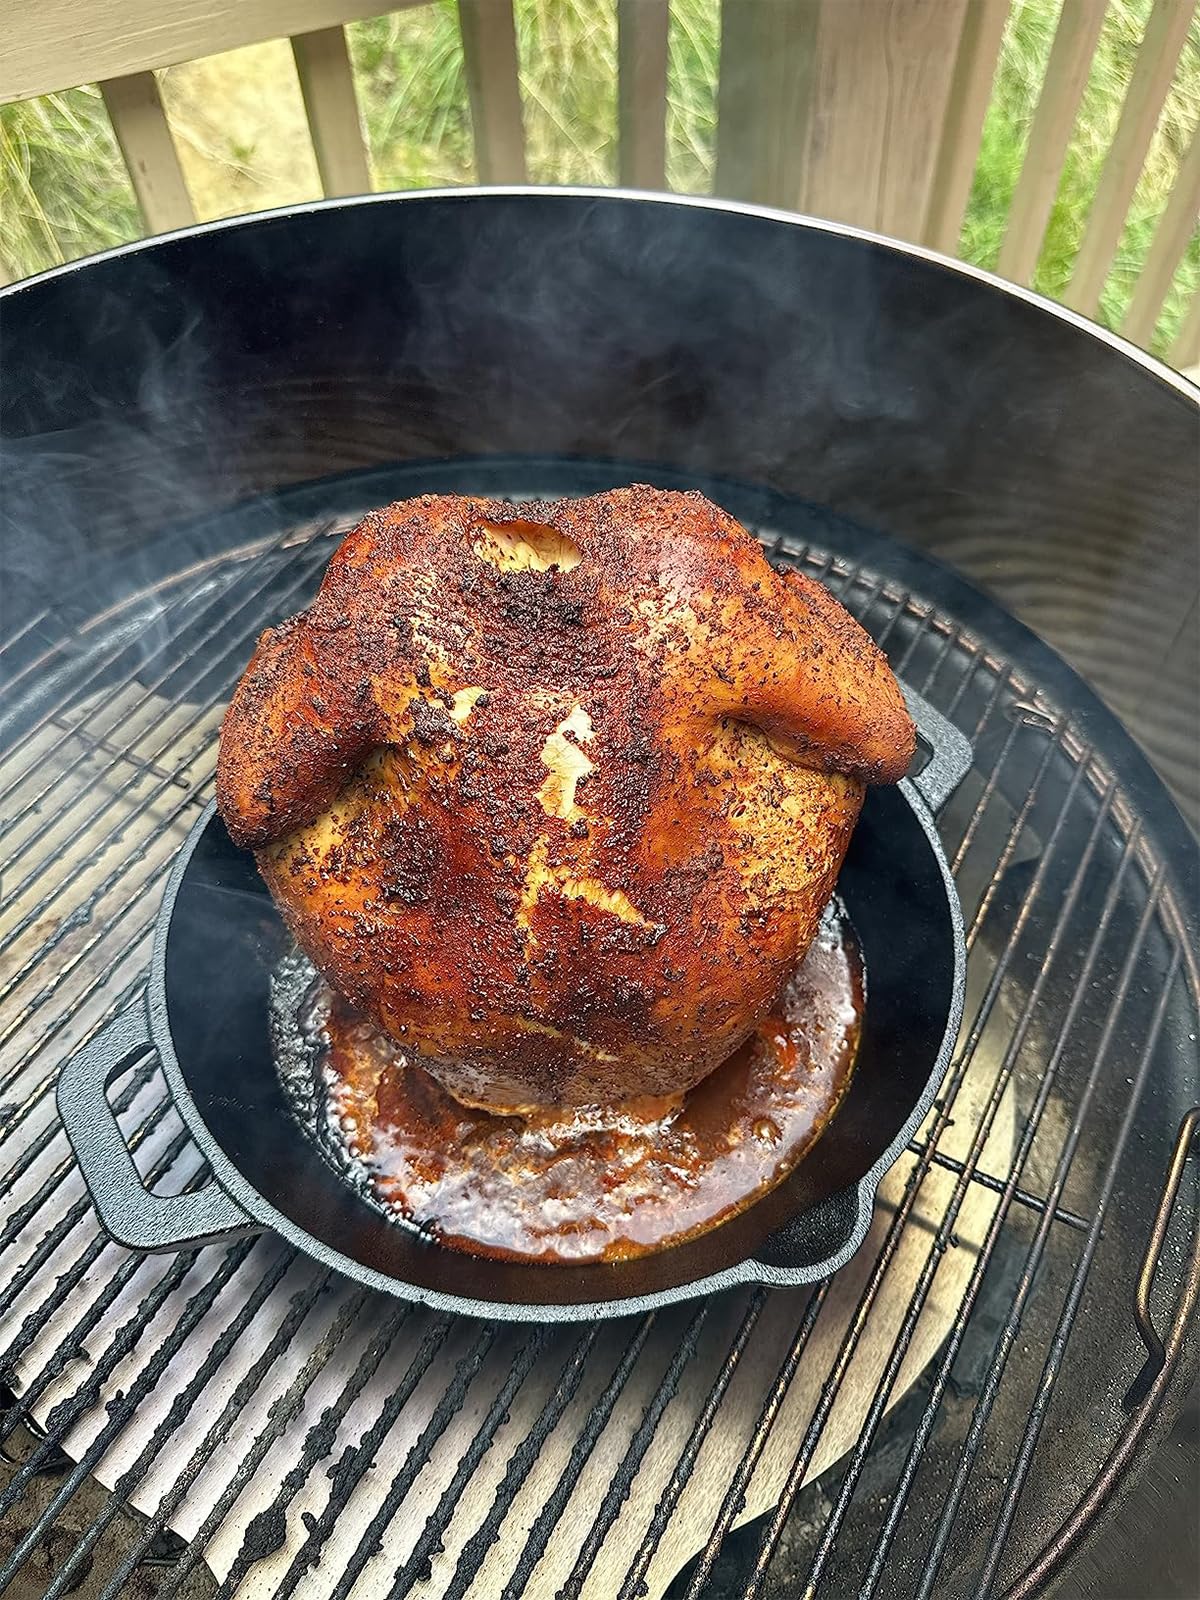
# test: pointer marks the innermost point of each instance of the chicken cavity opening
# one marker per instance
(525, 547)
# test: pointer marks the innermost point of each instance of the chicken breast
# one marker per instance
(556, 793)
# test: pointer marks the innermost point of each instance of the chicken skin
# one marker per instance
(557, 793)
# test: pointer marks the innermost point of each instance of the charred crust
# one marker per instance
(651, 935)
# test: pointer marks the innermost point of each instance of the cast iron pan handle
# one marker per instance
(129, 1212)
(950, 752)
(833, 1230)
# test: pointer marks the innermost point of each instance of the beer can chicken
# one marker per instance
(556, 793)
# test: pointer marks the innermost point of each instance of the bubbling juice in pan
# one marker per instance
(580, 1184)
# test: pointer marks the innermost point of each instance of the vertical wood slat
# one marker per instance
(139, 122)
(767, 48)
(1185, 352)
(1170, 241)
(331, 105)
(880, 85)
(489, 39)
(962, 130)
(1149, 86)
(1071, 55)
(642, 34)
(47, 46)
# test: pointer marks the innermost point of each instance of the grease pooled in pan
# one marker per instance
(597, 1183)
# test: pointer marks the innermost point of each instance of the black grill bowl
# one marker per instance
(1007, 497)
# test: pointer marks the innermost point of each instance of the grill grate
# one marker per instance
(947, 1413)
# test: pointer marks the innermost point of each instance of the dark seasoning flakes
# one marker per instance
(557, 827)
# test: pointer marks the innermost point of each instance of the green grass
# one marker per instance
(1027, 42)
(63, 187)
(63, 190)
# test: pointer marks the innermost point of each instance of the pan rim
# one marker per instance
(747, 1272)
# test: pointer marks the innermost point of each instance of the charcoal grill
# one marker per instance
(186, 428)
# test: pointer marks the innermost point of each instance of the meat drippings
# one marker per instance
(581, 1184)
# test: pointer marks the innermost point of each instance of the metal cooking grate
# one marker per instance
(945, 1415)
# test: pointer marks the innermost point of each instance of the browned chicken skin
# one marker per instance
(557, 792)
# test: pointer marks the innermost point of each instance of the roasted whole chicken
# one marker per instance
(556, 793)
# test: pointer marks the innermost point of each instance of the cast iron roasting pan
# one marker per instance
(217, 939)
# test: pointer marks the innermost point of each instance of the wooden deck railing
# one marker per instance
(863, 111)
